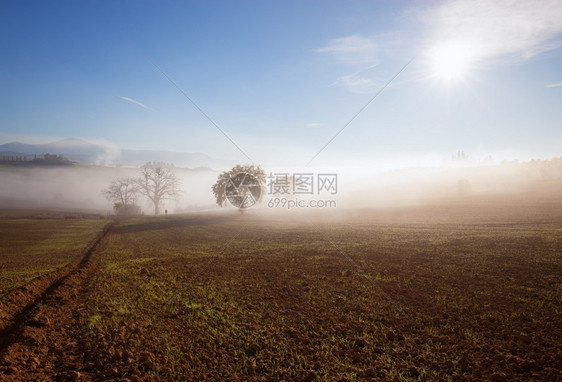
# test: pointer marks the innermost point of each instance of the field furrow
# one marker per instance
(229, 297)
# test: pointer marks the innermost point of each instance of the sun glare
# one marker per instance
(451, 61)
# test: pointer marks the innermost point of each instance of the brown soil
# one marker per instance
(36, 327)
(148, 301)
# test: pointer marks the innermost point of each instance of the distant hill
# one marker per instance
(82, 151)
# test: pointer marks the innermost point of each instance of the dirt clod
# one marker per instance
(498, 377)
(311, 376)
(252, 350)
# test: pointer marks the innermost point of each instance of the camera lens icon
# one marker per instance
(243, 190)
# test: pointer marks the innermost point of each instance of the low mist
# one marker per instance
(78, 187)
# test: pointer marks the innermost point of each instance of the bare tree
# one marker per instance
(243, 187)
(158, 183)
(123, 192)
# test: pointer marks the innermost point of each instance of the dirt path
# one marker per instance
(40, 328)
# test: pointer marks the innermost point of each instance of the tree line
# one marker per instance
(158, 182)
(45, 159)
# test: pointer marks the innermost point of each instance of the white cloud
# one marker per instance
(515, 28)
(557, 85)
(135, 102)
(352, 50)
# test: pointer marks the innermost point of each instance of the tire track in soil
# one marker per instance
(39, 332)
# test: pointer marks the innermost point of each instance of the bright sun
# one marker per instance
(450, 62)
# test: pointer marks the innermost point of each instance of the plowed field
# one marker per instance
(239, 297)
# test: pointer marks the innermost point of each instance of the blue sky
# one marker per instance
(282, 78)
